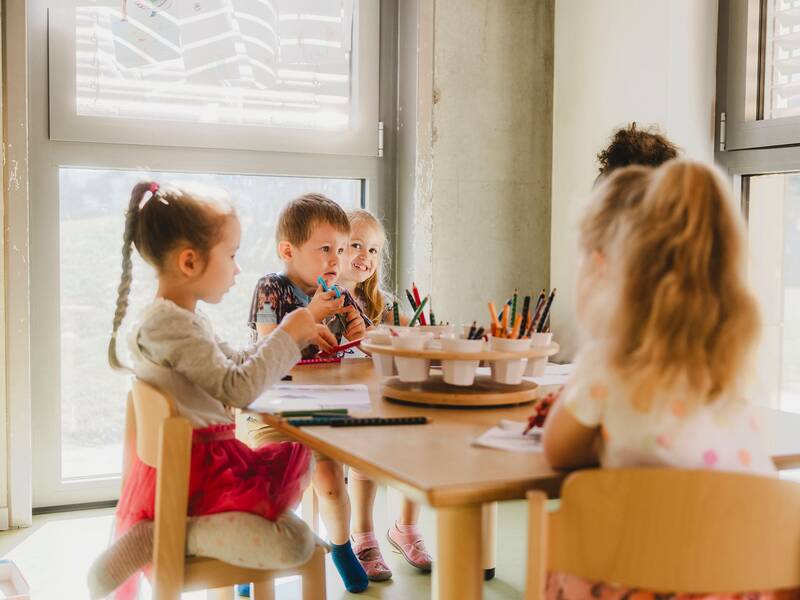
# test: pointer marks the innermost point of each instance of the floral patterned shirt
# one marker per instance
(276, 296)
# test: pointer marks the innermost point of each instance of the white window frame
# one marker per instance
(361, 139)
(42, 270)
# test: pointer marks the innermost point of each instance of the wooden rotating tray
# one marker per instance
(484, 392)
(433, 354)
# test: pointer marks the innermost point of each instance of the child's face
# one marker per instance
(321, 254)
(221, 269)
(366, 245)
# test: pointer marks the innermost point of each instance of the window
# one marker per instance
(759, 50)
(780, 77)
(92, 204)
(296, 75)
(773, 211)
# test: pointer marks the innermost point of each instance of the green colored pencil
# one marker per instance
(418, 312)
(396, 311)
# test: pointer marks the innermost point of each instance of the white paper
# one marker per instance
(312, 397)
(507, 435)
(553, 374)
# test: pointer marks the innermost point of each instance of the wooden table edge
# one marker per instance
(454, 495)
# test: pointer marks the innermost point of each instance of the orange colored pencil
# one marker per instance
(493, 312)
(517, 325)
(504, 323)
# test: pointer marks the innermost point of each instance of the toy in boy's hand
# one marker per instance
(324, 304)
(325, 287)
(542, 409)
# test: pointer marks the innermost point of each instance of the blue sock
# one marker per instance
(350, 570)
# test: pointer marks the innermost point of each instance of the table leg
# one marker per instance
(457, 568)
(489, 540)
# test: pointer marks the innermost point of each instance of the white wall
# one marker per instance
(616, 61)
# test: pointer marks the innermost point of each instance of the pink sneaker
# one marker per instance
(408, 542)
(366, 549)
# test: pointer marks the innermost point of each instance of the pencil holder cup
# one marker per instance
(438, 331)
(412, 370)
(508, 371)
(383, 363)
(460, 372)
(536, 366)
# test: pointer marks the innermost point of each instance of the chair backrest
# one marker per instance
(152, 408)
(163, 440)
(671, 530)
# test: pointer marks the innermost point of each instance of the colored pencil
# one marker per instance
(546, 312)
(526, 307)
(471, 331)
(515, 329)
(493, 313)
(504, 322)
(418, 313)
(411, 301)
(430, 313)
(396, 311)
(514, 300)
(415, 291)
(540, 302)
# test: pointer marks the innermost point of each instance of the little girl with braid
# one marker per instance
(240, 499)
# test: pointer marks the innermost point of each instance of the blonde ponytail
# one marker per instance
(685, 314)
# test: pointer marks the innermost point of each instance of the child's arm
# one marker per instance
(568, 443)
(184, 345)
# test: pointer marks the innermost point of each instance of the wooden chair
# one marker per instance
(668, 530)
(163, 440)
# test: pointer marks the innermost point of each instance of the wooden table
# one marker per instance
(437, 465)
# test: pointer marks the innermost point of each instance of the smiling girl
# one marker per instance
(361, 276)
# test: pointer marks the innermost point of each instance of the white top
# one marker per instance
(176, 350)
(721, 436)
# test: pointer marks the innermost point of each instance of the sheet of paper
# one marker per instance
(553, 374)
(507, 435)
(312, 397)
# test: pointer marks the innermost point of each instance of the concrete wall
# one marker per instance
(618, 61)
(474, 150)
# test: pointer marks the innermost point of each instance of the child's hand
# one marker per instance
(356, 328)
(325, 340)
(302, 327)
(542, 408)
(325, 304)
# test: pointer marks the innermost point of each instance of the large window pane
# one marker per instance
(92, 203)
(774, 247)
(781, 71)
(276, 63)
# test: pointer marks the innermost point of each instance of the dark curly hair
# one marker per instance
(633, 146)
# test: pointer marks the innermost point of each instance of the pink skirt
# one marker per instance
(225, 475)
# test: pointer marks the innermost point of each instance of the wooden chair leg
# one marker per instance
(309, 509)
(312, 577)
(224, 593)
(263, 590)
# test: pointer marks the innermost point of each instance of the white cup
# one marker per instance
(508, 371)
(438, 331)
(460, 372)
(383, 363)
(412, 370)
(536, 366)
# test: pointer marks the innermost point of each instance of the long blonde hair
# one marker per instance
(684, 314)
(369, 290)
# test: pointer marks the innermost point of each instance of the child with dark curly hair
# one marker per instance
(634, 146)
